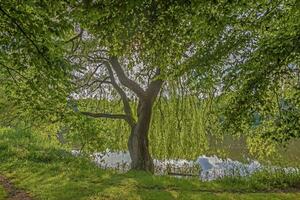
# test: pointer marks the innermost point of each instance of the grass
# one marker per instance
(2, 193)
(48, 171)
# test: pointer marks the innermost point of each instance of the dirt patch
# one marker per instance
(13, 193)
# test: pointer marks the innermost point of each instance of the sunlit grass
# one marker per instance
(48, 171)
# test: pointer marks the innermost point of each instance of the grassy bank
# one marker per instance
(2, 193)
(48, 171)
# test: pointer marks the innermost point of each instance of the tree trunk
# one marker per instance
(138, 143)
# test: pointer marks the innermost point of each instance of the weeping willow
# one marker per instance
(180, 128)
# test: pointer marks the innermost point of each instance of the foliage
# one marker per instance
(258, 83)
(101, 134)
(181, 128)
(266, 84)
(34, 72)
(154, 32)
(242, 55)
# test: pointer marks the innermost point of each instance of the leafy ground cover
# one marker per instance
(46, 170)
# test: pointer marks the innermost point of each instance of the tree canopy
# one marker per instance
(243, 55)
(34, 71)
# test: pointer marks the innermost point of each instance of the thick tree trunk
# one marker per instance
(138, 144)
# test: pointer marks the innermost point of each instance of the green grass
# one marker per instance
(47, 171)
(2, 193)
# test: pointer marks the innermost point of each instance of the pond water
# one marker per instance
(207, 168)
(236, 149)
(227, 157)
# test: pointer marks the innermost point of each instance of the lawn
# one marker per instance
(48, 171)
(2, 193)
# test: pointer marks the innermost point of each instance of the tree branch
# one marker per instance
(14, 21)
(154, 87)
(75, 37)
(104, 115)
(132, 85)
(125, 100)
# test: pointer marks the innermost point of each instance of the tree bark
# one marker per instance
(138, 143)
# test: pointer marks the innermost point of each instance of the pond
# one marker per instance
(207, 168)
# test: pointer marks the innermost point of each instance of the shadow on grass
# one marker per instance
(49, 172)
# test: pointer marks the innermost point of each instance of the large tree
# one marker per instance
(136, 47)
(54, 51)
